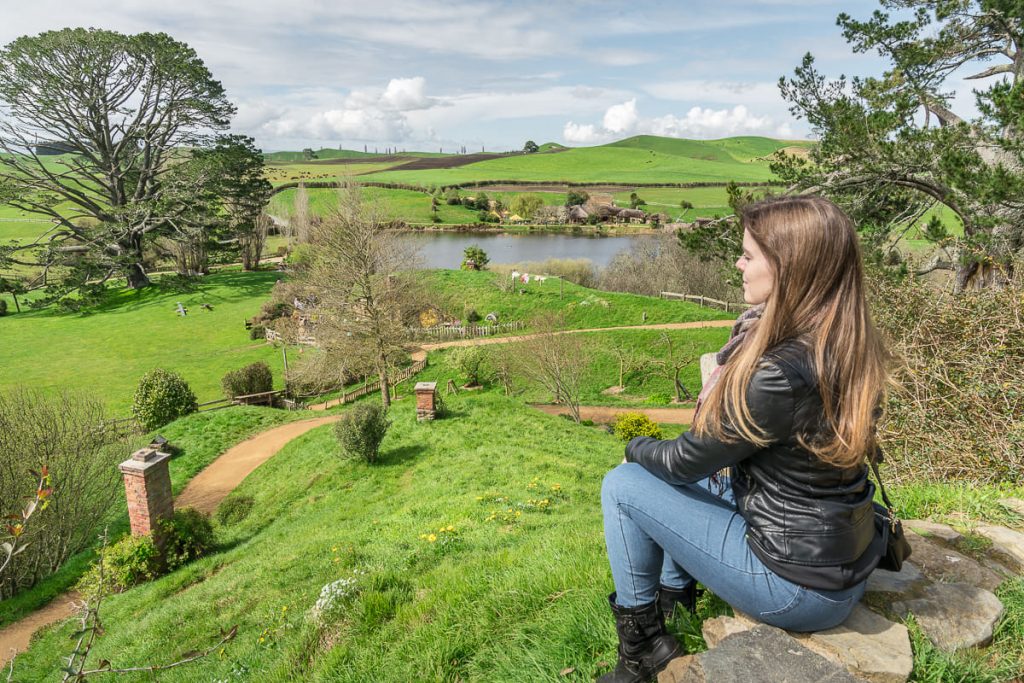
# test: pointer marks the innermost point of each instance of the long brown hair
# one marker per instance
(817, 298)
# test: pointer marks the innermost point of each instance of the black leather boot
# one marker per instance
(668, 598)
(645, 647)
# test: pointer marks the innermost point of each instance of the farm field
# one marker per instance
(406, 205)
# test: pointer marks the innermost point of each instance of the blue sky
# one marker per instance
(431, 74)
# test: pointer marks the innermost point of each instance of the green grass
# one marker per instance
(509, 598)
(642, 387)
(198, 440)
(107, 351)
(582, 307)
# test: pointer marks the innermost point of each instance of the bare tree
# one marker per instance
(627, 359)
(673, 358)
(299, 223)
(251, 243)
(555, 360)
(366, 290)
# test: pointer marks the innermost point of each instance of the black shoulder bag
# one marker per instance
(897, 548)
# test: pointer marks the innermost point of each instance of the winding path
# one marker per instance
(204, 492)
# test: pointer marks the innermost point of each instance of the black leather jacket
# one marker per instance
(810, 522)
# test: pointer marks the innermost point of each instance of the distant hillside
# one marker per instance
(743, 148)
(327, 154)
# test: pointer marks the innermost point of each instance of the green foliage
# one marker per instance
(631, 425)
(472, 317)
(254, 378)
(530, 147)
(526, 205)
(475, 254)
(471, 362)
(234, 509)
(162, 396)
(361, 430)
(451, 197)
(188, 535)
(576, 197)
(126, 563)
(3, 307)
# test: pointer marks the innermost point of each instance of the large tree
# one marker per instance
(126, 111)
(891, 147)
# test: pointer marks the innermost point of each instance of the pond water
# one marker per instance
(444, 249)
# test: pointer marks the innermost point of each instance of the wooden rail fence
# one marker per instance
(466, 331)
(371, 387)
(706, 301)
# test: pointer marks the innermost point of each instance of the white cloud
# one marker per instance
(584, 133)
(699, 122)
(717, 92)
(621, 118)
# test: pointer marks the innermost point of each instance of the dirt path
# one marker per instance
(669, 416)
(15, 637)
(421, 353)
(206, 490)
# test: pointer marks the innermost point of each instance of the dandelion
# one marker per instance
(431, 538)
(450, 528)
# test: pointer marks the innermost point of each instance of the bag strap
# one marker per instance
(878, 478)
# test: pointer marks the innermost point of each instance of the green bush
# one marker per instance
(471, 361)
(234, 509)
(3, 308)
(126, 563)
(660, 398)
(361, 430)
(161, 397)
(254, 378)
(257, 331)
(472, 316)
(187, 535)
(631, 425)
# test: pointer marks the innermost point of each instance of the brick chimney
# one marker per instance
(426, 400)
(147, 485)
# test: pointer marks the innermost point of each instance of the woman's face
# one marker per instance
(757, 275)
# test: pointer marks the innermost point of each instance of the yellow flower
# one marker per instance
(431, 538)
(450, 528)
(285, 608)
(337, 560)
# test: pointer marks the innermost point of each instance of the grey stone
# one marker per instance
(867, 645)
(907, 579)
(949, 566)
(765, 653)
(683, 670)
(1008, 542)
(954, 615)
(943, 532)
(1015, 505)
(717, 629)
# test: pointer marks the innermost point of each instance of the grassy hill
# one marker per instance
(502, 597)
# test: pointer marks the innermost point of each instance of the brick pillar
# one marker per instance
(426, 395)
(147, 485)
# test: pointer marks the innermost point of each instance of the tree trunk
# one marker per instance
(137, 277)
(17, 306)
(385, 390)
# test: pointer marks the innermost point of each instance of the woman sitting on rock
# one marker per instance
(788, 537)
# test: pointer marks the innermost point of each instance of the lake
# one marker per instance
(444, 249)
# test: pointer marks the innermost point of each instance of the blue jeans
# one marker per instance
(660, 533)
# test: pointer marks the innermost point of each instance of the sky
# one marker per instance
(437, 75)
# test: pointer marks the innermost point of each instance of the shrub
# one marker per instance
(126, 563)
(161, 397)
(472, 316)
(660, 398)
(361, 430)
(471, 361)
(475, 254)
(187, 535)
(257, 331)
(254, 378)
(60, 432)
(631, 425)
(282, 250)
(3, 308)
(234, 509)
